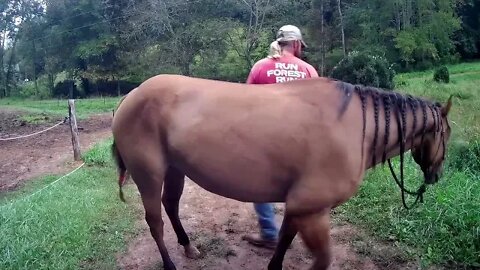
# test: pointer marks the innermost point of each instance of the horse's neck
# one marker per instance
(412, 137)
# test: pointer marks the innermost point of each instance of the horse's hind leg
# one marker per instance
(315, 232)
(287, 234)
(172, 191)
(148, 175)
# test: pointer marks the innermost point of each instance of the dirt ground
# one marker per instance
(47, 153)
(215, 224)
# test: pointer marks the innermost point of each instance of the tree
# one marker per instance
(342, 27)
(468, 39)
(15, 14)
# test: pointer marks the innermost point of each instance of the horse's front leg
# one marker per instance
(315, 232)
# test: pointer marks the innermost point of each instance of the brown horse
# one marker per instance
(306, 143)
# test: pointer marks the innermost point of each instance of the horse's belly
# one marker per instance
(233, 174)
(248, 154)
(240, 192)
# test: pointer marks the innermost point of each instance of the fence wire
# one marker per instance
(42, 189)
(33, 134)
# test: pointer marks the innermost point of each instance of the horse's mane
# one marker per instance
(392, 102)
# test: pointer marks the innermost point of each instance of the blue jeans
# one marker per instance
(266, 220)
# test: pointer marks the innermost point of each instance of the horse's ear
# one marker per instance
(446, 108)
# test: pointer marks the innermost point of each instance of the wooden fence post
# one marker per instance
(74, 130)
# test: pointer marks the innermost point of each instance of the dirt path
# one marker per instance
(47, 153)
(216, 226)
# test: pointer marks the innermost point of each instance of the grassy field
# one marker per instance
(77, 223)
(445, 230)
(59, 107)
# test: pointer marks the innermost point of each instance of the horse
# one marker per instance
(305, 143)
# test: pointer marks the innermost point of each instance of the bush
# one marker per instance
(27, 89)
(366, 69)
(441, 75)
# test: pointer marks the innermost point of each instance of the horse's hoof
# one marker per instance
(275, 266)
(169, 266)
(192, 252)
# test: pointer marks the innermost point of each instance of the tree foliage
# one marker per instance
(92, 44)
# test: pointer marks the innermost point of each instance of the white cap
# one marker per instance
(290, 33)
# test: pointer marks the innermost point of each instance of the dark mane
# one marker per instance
(392, 102)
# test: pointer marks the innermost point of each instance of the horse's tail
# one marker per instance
(122, 169)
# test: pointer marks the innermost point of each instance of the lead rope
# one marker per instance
(421, 190)
(401, 184)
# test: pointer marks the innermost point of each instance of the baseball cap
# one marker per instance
(289, 33)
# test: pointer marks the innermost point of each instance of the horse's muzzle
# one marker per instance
(432, 178)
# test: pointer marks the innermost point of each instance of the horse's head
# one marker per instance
(430, 155)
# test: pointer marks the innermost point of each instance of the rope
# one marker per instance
(33, 134)
(401, 184)
(45, 187)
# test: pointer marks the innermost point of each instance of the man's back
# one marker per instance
(283, 69)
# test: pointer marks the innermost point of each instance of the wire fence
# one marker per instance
(71, 119)
(42, 189)
(33, 134)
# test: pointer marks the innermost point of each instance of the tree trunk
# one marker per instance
(322, 31)
(96, 88)
(342, 27)
(51, 82)
(409, 12)
(35, 66)
(9, 67)
(71, 89)
(398, 16)
(3, 74)
(118, 88)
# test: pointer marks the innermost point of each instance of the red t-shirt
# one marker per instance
(284, 69)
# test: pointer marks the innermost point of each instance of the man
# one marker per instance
(283, 64)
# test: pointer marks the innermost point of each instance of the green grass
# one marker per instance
(35, 118)
(445, 230)
(471, 67)
(78, 223)
(83, 107)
